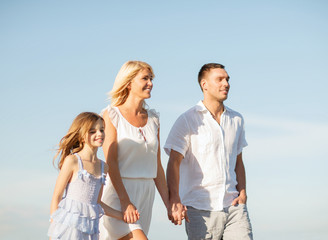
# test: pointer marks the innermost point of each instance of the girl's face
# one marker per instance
(142, 84)
(96, 135)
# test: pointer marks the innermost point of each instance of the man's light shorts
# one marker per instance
(232, 223)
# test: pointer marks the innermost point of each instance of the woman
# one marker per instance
(132, 151)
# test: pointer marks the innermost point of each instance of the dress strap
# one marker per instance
(79, 161)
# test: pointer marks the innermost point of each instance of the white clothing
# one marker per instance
(137, 160)
(207, 171)
(137, 146)
(78, 213)
(142, 193)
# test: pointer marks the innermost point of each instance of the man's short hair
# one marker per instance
(205, 68)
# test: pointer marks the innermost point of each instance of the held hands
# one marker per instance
(130, 213)
(177, 213)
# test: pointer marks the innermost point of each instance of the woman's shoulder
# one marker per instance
(111, 113)
(154, 115)
(109, 109)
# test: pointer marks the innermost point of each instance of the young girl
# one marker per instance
(82, 174)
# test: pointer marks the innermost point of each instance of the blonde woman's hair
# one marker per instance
(128, 71)
(73, 141)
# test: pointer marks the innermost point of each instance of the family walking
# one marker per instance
(205, 183)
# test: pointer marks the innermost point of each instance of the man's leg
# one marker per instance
(238, 226)
(205, 224)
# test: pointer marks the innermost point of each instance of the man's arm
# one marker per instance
(179, 212)
(241, 179)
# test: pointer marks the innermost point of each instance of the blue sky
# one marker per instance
(59, 58)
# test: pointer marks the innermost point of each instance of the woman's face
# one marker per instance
(142, 84)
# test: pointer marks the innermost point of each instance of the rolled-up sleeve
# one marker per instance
(179, 137)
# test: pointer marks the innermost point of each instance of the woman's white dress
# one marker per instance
(137, 160)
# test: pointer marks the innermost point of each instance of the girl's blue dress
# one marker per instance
(78, 213)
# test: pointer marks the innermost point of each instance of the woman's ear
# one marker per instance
(129, 86)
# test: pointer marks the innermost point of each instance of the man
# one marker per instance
(205, 171)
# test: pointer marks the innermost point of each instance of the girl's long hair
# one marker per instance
(73, 141)
(128, 71)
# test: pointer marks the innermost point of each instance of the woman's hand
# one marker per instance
(178, 213)
(130, 213)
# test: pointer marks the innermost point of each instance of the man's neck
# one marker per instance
(215, 108)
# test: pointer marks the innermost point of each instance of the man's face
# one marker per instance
(216, 85)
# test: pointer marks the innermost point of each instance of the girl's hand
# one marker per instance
(130, 214)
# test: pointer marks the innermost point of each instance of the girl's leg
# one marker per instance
(137, 234)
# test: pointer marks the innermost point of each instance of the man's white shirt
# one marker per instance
(207, 171)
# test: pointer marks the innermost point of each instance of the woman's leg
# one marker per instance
(137, 234)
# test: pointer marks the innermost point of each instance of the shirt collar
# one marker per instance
(200, 107)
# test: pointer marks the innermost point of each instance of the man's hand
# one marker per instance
(177, 213)
(241, 199)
